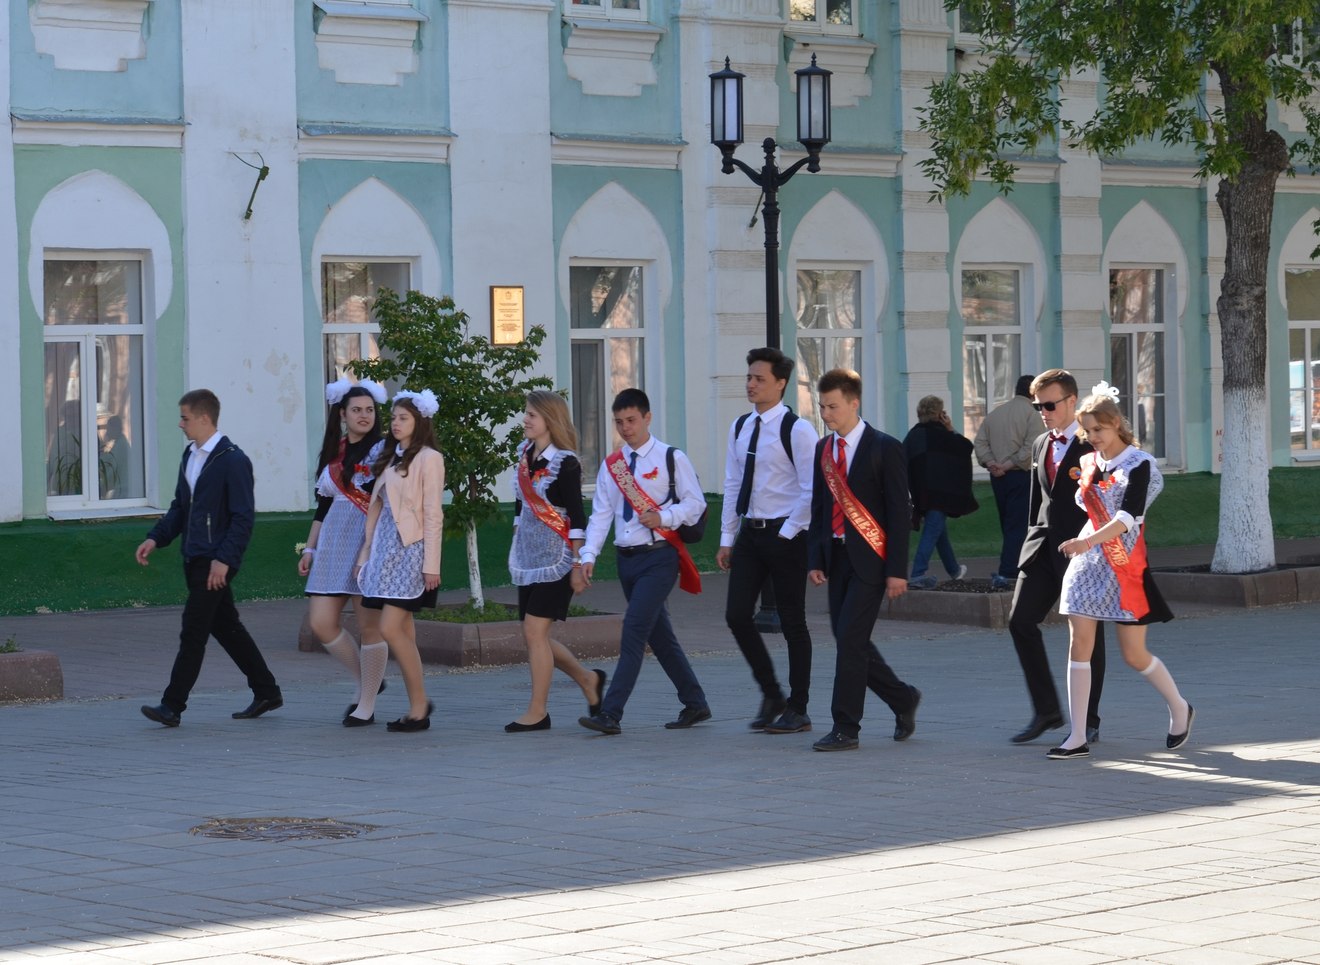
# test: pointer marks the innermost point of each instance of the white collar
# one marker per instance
(209, 445)
(776, 411)
(644, 451)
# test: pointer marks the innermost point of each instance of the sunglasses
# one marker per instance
(1047, 406)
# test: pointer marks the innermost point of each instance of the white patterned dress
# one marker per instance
(1126, 485)
(342, 532)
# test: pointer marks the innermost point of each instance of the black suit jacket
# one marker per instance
(878, 478)
(1054, 515)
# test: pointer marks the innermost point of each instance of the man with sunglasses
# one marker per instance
(1053, 517)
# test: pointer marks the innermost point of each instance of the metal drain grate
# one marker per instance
(281, 829)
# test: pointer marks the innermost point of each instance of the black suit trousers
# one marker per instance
(854, 607)
(1037, 591)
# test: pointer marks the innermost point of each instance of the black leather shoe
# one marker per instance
(161, 715)
(789, 722)
(1039, 725)
(513, 727)
(353, 707)
(687, 717)
(1093, 735)
(1172, 742)
(351, 721)
(601, 724)
(601, 679)
(905, 724)
(407, 725)
(1067, 753)
(771, 708)
(836, 741)
(258, 707)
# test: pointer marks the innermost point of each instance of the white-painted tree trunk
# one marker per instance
(1246, 542)
(474, 568)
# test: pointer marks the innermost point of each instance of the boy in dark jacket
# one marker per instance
(213, 510)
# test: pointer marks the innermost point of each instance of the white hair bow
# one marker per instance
(1104, 388)
(425, 401)
(336, 390)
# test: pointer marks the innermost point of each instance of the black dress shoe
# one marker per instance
(353, 707)
(161, 715)
(258, 707)
(1067, 753)
(836, 741)
(771, 709)
(1093, 735)
(601, 679)
(687, 717)
(1172, 742)
(601, 724)
(1039, 725)
(513, 727)
(351, 721)
(905, 724)
(789, 722)
(409, 724)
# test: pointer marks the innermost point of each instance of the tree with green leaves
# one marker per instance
(482, 388)
(1211, 75)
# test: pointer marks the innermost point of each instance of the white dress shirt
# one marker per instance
(653, 477)
(850, 443)
(197, 459)
(780, 487)
(1061, 446)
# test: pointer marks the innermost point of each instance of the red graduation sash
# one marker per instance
(689, 579)
(857, 514)
(539, 506)
(354, 495)
(1128, 567)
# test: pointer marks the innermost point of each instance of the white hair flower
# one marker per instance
(336, 390)
(376, 390)
(425, 401)
(1104, 388)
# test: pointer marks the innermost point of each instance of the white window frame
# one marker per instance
(646, 333)
(89, 504)
(866, 336)
(819, 23)
(1024, 330)
(364, 330)
(1309, 451)
(605, 10)
(1167, 327)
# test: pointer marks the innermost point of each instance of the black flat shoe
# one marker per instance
(905, 724)
(836, 741)
(258, 707)
(770, 710)
(1172, 742)
(1067, 753)
(1038, 725)
(353, 707)
(161, 715)
(1093, 735)
(409, 724)
(601, 678)
(513, 727)
(351, 721)
(601, 724)
(687, 717)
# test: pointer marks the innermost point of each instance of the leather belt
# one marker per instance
(643, 548)
(755, 523)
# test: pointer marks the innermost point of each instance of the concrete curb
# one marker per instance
(31, 675)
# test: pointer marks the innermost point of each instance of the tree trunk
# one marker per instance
(474, 568)
(1246, 530)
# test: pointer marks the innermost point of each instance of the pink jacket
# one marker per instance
(416, 500)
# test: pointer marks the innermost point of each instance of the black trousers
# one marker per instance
(211, 613)
(854, 607)
(758, 554)
(1037, 591)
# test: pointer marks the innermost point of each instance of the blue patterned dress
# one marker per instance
(342, 532)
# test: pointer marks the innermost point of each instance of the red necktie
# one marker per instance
(840, 463)
(1052, 467)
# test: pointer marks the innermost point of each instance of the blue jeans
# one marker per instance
(647, 580)
(934, 536)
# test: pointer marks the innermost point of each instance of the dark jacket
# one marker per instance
(1054, 515)
(939, 469)
(878, 478)
(215, 519)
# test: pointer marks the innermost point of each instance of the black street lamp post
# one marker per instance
(726, 133)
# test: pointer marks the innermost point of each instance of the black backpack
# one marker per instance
(693, 532)
(785, 430)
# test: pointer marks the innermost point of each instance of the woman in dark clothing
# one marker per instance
(940, 479)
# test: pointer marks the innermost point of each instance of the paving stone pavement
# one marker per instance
(712, 845)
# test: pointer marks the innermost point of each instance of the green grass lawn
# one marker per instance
(62, 566)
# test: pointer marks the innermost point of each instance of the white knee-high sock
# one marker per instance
(1162, 680)
(345, 650)
(374, 658)
(1079, 695)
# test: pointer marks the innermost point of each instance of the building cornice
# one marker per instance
(610, 152)
(85, 132)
